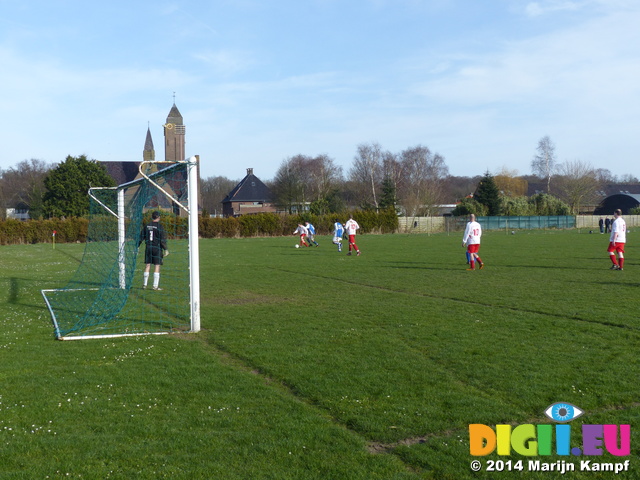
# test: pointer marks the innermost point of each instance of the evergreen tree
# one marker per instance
(488, 194)
(320, 207)
(66, 186)
(388, 198)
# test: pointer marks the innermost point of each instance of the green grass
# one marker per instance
(315, 365)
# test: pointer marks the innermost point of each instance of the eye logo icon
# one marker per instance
(563, 412)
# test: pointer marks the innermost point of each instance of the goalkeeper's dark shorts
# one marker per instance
(153, 254)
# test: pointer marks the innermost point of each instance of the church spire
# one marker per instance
(148, 154)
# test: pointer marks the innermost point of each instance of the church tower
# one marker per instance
(174, 141)
(148, 154)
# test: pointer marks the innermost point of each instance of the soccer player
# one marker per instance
(156, 247)
(311, 235)
(471, 240)
(303, 232)
(617, 240)
(351, 226)
(338, 233)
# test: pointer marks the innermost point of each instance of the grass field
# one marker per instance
(315, 365)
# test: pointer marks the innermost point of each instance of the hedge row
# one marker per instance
(272, 225)
(40, 231)
(259, 225)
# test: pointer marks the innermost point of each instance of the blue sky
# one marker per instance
(258, 81)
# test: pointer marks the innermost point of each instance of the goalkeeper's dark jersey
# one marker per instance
(155, 239)
(154, 236)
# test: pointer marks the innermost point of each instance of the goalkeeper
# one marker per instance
(155, 239)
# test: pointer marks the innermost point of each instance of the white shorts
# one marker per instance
(337, 239)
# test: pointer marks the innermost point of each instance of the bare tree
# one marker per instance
(366, 173)
(3, 197)
(577, 183)
(423, 174)
(544, 161)
(322, 176)
(605, 176)
(628, 178)
(288, 184)
(302, 180)
(457, 188)
(25, 183)
(214, 190)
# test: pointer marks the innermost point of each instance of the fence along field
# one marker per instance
(312, 364)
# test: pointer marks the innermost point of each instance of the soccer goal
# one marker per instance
(105, 298)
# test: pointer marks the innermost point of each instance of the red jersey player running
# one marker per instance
(617, 240)
(471, 240)
(351, 226)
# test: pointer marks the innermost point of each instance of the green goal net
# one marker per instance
(105, 297)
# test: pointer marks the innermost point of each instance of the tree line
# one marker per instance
(414, 182)
(50, 191)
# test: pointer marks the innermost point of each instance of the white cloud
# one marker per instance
(594, 58)
(544, 7)
(536, 9)
(225, 62)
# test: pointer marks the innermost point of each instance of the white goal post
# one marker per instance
(65, 309)
(194, 250)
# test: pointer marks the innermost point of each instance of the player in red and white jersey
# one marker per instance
(617, 240)
(471, 240)
(350, 227)
(303, 232)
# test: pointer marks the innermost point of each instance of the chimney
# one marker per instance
(249, 171)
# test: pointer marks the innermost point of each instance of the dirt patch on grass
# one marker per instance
(377, 447)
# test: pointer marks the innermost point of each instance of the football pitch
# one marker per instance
(315, 365)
